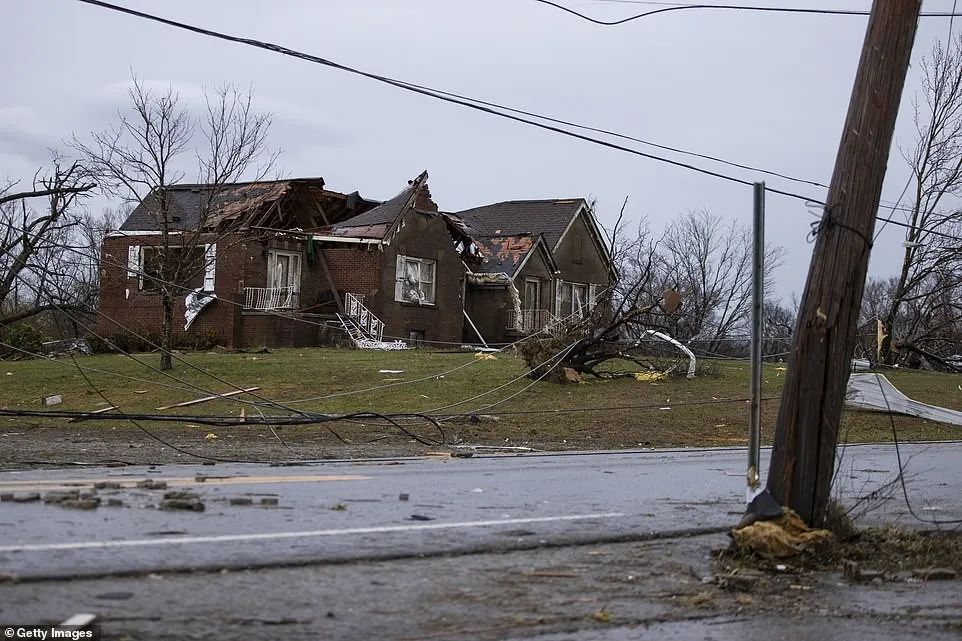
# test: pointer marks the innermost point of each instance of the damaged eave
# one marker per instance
(475, 278)
(124, 234)
(346, 239)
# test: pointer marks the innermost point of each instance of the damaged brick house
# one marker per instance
(543, 260)
(291, 263)
(282, 259)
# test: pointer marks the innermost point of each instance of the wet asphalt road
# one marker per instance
(354, 511)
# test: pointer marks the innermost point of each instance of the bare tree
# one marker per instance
(635, 257)
(146, 152)
(710, 265)
(923, 301)
(33, 262)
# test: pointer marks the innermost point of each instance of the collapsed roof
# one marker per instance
(193, 207)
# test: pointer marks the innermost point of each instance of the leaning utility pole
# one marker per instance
(803, 458)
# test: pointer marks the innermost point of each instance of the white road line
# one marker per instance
(266, 536)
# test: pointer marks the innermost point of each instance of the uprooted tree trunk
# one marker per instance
(598, 345)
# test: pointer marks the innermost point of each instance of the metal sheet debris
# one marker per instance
(196, 301)
(874, 392)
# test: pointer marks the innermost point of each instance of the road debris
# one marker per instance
(151, 484)
(601, 616)
(403, 496)
(52, 399)
(182, 500)
(210, 436)
(81, 504)
(420, 517)
(59, 496)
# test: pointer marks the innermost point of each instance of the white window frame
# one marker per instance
(421, 297)
(293, 273)
(137, 257)
(579, 296)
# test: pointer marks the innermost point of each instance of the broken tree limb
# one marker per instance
(204, 399)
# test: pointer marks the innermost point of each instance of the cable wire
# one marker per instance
(901, 474)
(733, 7)
(427, 91)
(479, 105)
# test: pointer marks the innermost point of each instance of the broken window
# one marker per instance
(414, 280)
(571, 299)
(182, 267)
(284, 270)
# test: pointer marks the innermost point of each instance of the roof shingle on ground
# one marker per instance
(518, 217)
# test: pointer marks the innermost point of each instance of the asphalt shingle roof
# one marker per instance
(518, 217)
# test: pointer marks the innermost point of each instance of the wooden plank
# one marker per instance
(204, 399)
(100, 411)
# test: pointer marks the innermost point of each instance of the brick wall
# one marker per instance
(422, 236)
(355, 268)
(125, 309)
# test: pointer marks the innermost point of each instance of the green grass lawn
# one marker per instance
(622, 413)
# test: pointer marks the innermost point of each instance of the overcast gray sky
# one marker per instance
(762, 89)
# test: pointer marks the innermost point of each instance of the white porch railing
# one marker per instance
(528, 321)
(270, 298)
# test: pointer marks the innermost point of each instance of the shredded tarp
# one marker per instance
(196, 301)
(780, 538)
(874, 392)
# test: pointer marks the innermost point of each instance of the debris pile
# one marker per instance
(780, 538)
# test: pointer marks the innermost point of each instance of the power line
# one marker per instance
(492, 108)
(427, 91)
(732, 7)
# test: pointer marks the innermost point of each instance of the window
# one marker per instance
(532, 293)
(284, 270)
(414, 280)
(571, 299)
(184, 267)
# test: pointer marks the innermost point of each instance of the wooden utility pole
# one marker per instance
(803, 458)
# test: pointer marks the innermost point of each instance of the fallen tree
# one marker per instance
(608, 344)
